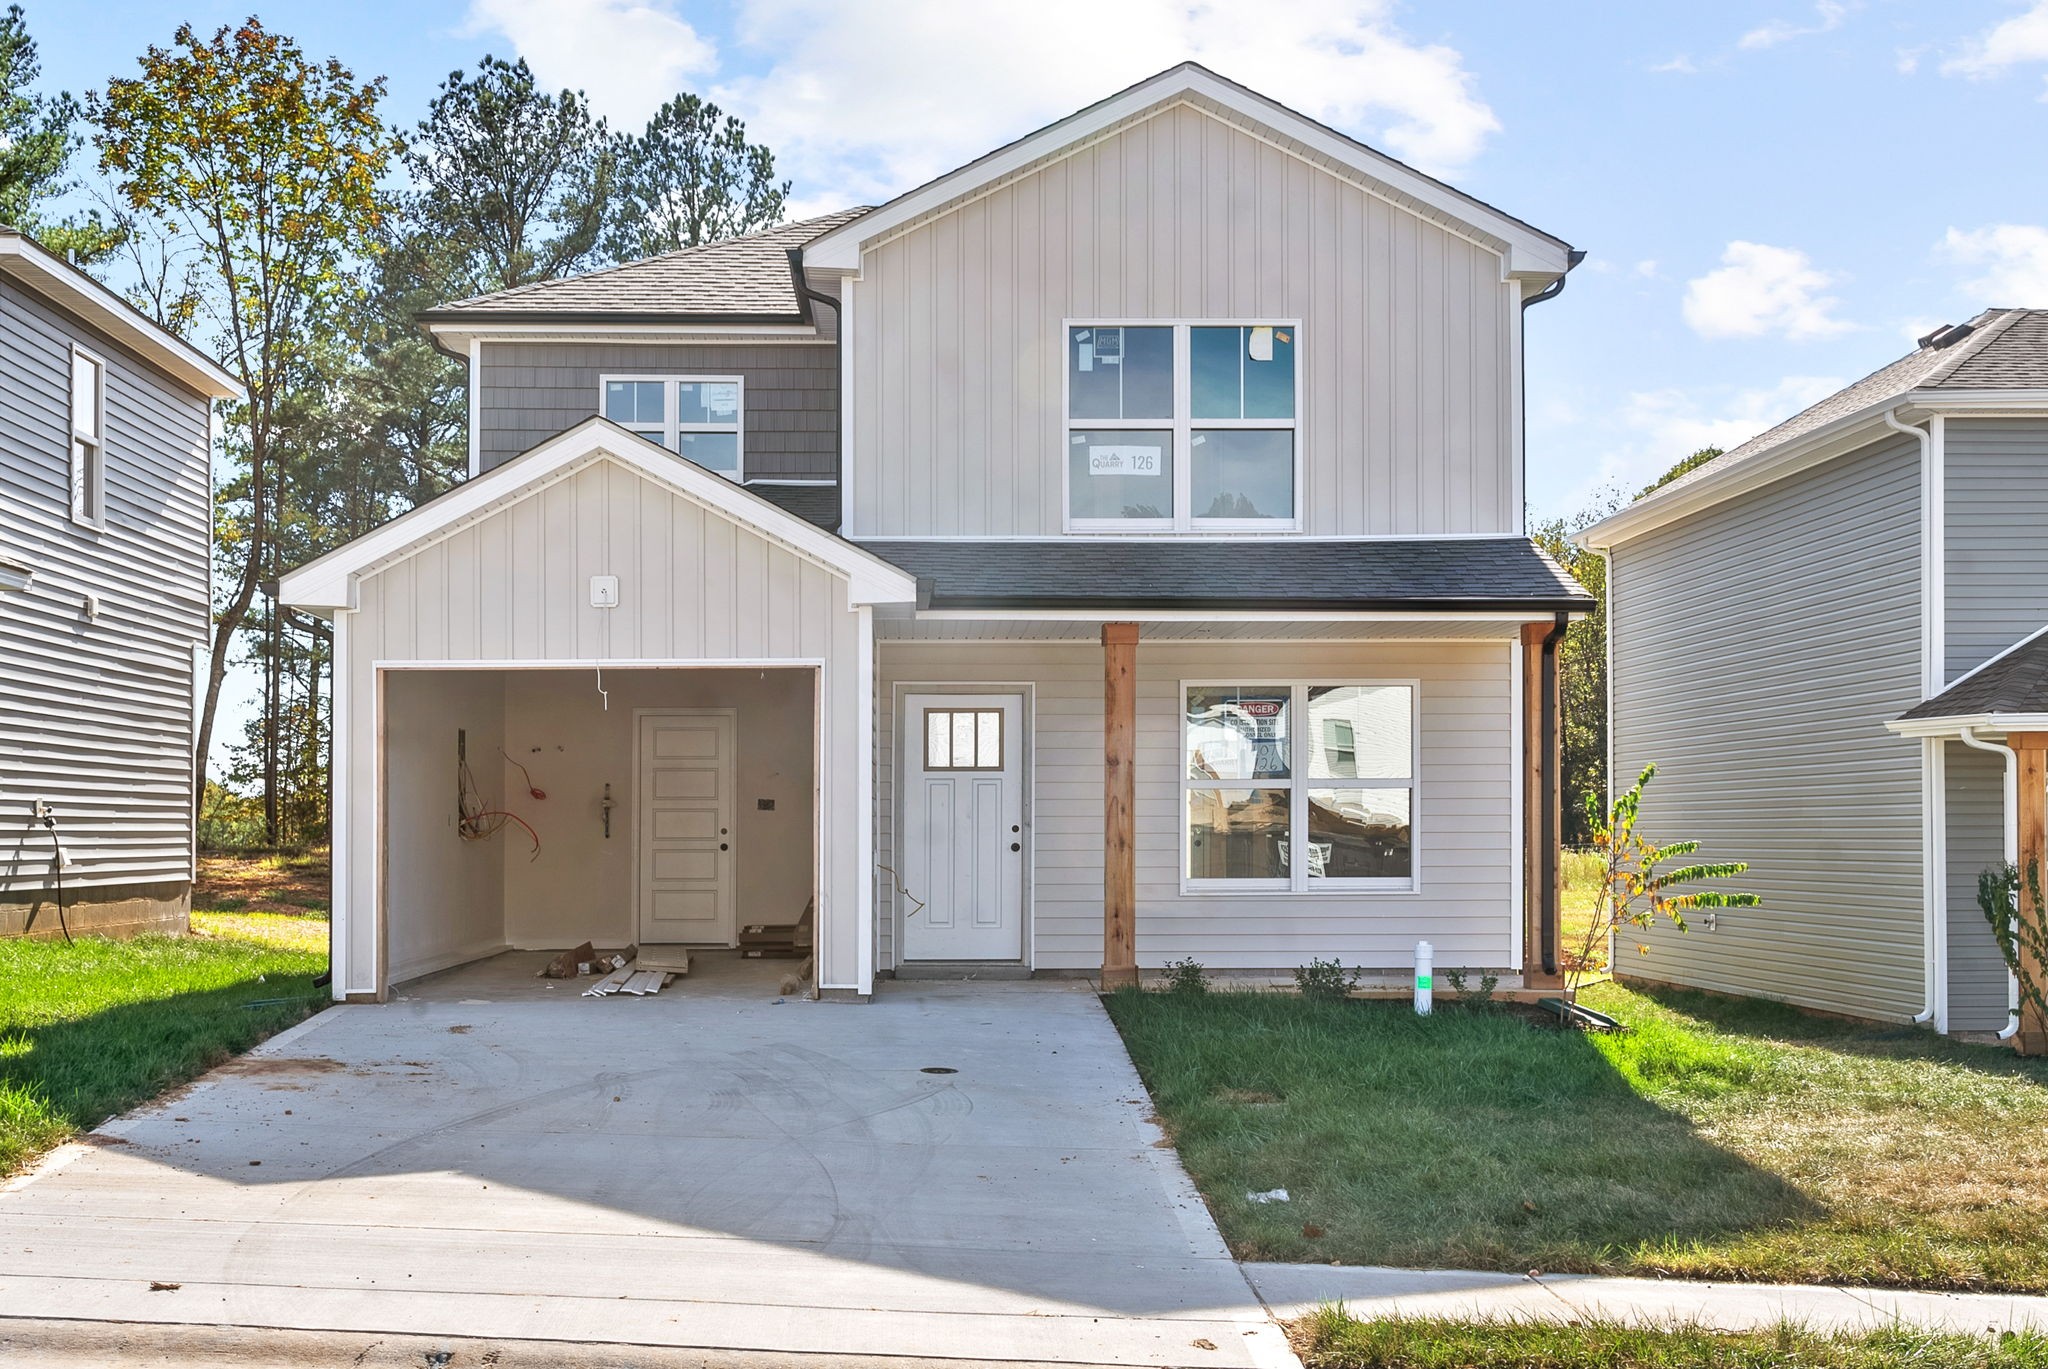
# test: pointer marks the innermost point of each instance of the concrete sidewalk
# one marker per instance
(1368, 1292)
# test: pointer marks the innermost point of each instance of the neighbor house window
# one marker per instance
(88, 438)
(1298, 786)
(696, 417)
(1186, 427)
(963, 739)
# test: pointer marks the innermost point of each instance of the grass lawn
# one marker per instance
(267, 883)
(92, 1028)
(1332, 1340)
(1718, 1139)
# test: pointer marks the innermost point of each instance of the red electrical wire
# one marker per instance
(537, 793)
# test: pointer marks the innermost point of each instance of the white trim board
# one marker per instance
(328, 583)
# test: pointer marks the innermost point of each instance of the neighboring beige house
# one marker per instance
(1830, 641)
(1110, 552)
(106, 550)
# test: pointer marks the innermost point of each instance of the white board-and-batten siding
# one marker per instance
(1759, 647)
(694, 586)
(1468, 845)
(97, 713)
(1408, 335)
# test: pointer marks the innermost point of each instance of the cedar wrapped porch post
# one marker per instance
(1119, 805)
(2032, 750)
(1542, 790)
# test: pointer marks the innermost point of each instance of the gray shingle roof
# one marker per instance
(738, 278)
(813, 503)
(1279, 574)
(2003, 349)
(2014, 683)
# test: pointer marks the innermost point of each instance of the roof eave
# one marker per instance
(1531, 253)
(434, 318)
(1011, 603)
(1949, 725)
(44, 272)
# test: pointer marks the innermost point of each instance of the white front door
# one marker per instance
(684, 826)
(963, 826)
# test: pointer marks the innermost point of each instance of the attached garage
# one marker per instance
(684, 670)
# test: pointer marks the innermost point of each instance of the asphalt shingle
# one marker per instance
(2014, 683)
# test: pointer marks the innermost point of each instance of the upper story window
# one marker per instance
(697, 417)
(1182, 427)
(88, 438)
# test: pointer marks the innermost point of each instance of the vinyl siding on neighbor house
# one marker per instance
(1759, 647)
(694, 586)
(1464, 821)
(1976, 839)
(96, 715)
(1997, 536)
(790, 398)
(1408, 335)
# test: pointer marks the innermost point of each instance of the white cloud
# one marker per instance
(1647, 269)
(1828, 16)
(629, 56)
(1680, 65)
(1761, 290)
(2020, 40)
(2012, 259)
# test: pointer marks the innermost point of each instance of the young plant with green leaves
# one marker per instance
(1636, 889)
(2021, 928)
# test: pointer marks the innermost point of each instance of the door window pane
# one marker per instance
(1360, 834)
(1243, 473)
(963, 739)
(707, 401)
(1360, 731)
(1237, 833)
(1120, 473)
(1241, 372)
(634, 401)
(1239, 732)
(713, 451)
(1120, 373)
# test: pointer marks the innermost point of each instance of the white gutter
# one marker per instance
(2012, 853)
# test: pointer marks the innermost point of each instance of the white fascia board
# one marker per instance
(1668, 505)
(458, 336)
(1531, 253)
(85, 298)
(330, 581)
(2004, 724)
(1981, 403)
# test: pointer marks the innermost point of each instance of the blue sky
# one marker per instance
(1775, 195)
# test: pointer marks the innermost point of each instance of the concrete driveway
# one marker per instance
(960, 1171)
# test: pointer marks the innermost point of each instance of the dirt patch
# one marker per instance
(264, 884)
(282, 1066)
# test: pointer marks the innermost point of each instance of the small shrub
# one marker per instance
(1326, 980)
(1460, 984)
(1186, 977)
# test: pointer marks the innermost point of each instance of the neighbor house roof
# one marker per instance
(1998, 351)
(42, 271)
(2012, 685)
(738, 280)
(1276, 575)
(1528, 251)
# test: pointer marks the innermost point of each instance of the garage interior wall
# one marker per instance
(451, 900)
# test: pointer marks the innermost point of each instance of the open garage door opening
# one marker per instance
(538, 809)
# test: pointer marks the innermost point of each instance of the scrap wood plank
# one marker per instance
(643, 982)
(675, 961)
(609, 984)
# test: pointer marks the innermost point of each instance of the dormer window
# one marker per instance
(700, 418)
(1182, 427)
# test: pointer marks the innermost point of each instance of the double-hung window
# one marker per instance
(88, 439)
(1298, 786)
(700, 418)
(1182, 427)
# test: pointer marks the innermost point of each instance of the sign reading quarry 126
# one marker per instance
(1120, 459)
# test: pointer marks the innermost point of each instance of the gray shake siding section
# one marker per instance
(96, 715)
(1759, 647)
(1997, 521)
(534, 390)
(1976, 839)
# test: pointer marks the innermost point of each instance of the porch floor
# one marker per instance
(708, 1167)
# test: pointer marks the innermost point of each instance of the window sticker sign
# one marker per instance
(1124, 459)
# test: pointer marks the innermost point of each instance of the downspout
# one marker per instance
(1552, 790)
(1931, 680)
(2012, 856)
(807, 297)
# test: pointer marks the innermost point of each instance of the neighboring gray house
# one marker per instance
(105, 564)
(1779, 614)
(1110, 552)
